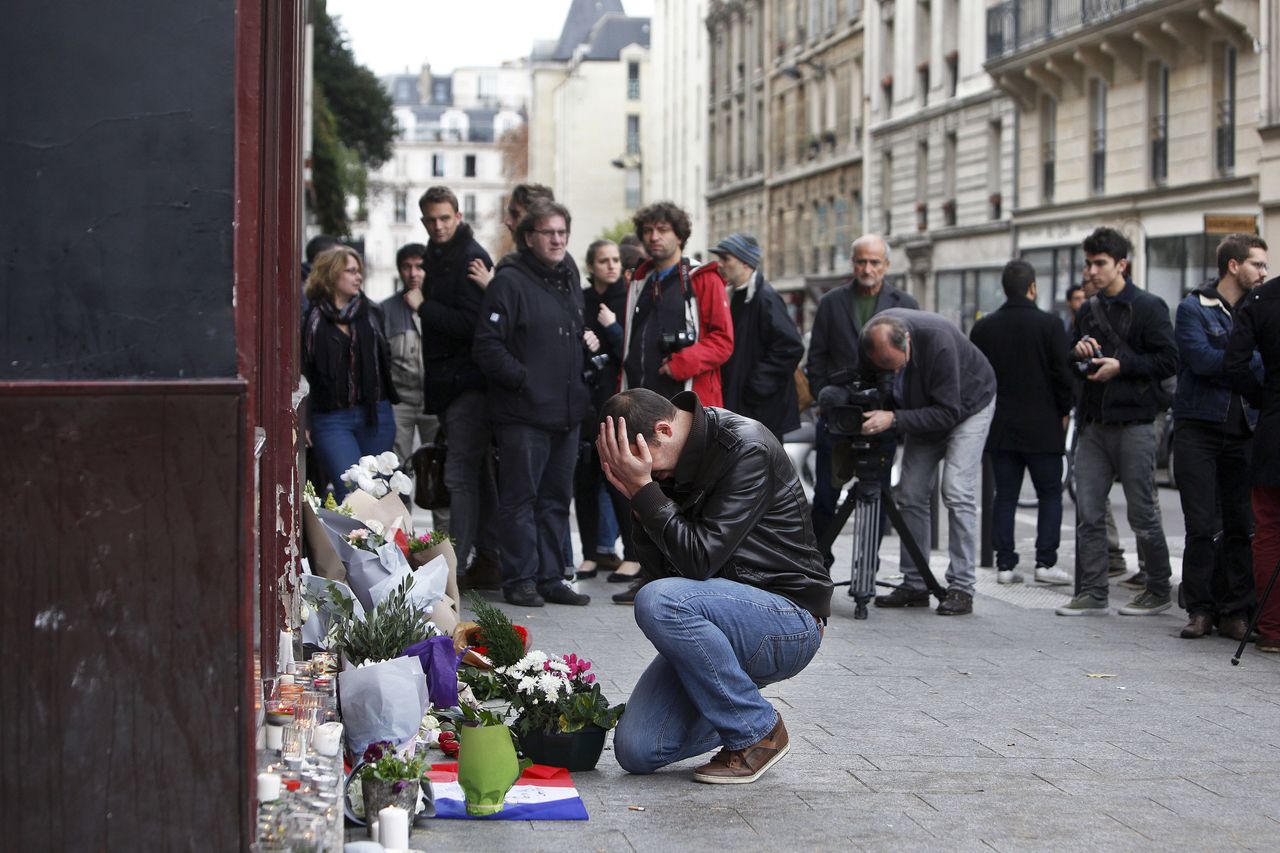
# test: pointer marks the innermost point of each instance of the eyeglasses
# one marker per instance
(549, 233)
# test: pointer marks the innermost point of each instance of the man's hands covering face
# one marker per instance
(628, 472)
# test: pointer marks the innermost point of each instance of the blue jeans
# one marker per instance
(608, 531)
(962, 452)
(718, 642)
(1105, 452)
(1046, 475)
(341, 437)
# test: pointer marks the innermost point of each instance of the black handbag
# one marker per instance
(430, 491)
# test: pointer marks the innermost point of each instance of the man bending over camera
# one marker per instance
(737, 595)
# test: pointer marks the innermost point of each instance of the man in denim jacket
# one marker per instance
(1211, 447)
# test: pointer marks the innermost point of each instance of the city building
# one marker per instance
(1269, 127)
(1142, 115)
(675, 115)
(451, 127)
(586, 131)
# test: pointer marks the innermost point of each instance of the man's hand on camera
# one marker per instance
(665, 369)
(1108, 369)
(627, 471)
(1086, 347)
(876, 421)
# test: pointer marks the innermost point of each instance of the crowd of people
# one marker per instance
(514, 364)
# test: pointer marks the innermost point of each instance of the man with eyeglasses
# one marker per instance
(1212, 444)
(529, 344)
(833, 346)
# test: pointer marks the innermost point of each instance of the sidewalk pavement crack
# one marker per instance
(1026, 734)
(1122, 749)
(1198, 785)
(989, 844)
(870, 787)
(1214, 722)
(919, 824)
(1126, 826)
(1156, 736)
(1161, 805)
(744, 819)
(1050, 784)
(935, 719)
(927, 803)
(869, 761)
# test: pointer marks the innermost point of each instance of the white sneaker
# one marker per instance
(1052, 576)
(1008, 576)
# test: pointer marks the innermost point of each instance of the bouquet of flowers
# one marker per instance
(373, 536)
(378, 475)
(557, 694)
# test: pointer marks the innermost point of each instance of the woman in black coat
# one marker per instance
(347, 363)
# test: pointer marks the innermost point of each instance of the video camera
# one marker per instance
(849, 397)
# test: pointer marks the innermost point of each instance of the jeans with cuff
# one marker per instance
(1007, 466)
(718, 642)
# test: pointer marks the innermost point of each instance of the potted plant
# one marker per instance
(425, 547)
(562, 715)
(487, 762)
(388, 778)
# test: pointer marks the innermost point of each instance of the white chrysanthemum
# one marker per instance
(534, 660)
(401, 484)
(550, 684)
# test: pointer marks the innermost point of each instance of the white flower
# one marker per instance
(369, 464)
(379, 488)
(401, 484)
(304, 613)
(352, 474)
(388, 462)
(550, 685)
(375, 527)
(366, 483)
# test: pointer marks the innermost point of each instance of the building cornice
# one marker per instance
(1243, 188)
(723, 191)
(781, 179)
(934, 111)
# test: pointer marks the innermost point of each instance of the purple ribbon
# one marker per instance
(440, 663)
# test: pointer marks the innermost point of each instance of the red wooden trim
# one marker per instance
(118, 388)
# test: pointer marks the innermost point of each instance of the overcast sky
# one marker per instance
(392, 35)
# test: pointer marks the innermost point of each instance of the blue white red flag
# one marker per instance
(541, 793)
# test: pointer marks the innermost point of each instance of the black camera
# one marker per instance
(848, 398)
(594, 366)
(675, 341)
(1086, 366)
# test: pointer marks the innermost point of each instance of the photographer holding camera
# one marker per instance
(944, 396)
(1125, 349)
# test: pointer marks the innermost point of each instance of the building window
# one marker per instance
(1098, 136)
(854, 9)
(633, 81)
(469, 207)
(437, 165)
(469, 166)
(922, 186)
(1159, 124)
(886, 191)
(995, 169)
(633, 199)
(401, 206)
(949, 179)
(1056, 269)
(633, 134)
(1048, 148)
(1225, 141)
(1176, 265)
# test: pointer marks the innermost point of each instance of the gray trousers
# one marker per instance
(961, 450)
(1105, 452)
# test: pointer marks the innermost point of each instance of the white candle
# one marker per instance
(268, 787)
(393, 828)
(327, 738)
(373, 830)
(286, 679)
(274, 736)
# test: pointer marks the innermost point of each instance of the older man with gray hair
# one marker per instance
(943, 400)
(833, 347)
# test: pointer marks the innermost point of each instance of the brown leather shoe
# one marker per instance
(1198, 625)
(608, 562)
(1233, 626)
(739, 766)
(1269, 645)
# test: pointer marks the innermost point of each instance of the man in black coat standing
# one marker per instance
(833, 346)
(530, 343)
(759, 378)
(1027, 349)
(448, 305)
(1257, 327)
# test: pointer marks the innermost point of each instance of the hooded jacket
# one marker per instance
(733, 509)
(528, 343)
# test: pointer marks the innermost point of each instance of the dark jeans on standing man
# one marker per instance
(535, 479)
(468, 475)
(1046, 476)
(1213, 484)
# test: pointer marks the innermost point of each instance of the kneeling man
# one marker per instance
(737, 595)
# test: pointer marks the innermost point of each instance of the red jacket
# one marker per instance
(697, 365)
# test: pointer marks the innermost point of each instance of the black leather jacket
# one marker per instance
(734, 509)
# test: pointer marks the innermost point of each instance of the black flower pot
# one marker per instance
(573, 751)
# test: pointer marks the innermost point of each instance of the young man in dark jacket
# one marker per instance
(1027, 349)
(833, 347)
(1127, 340)
(759, 378)
(529, 343)
(1211, 447)
(1256, 328)
(454, 388)
(738, 594)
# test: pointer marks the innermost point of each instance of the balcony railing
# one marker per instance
(1016, 25)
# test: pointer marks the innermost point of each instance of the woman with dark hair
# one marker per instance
(347, 363)
(604, 301)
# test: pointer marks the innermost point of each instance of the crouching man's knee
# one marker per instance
(634, 749)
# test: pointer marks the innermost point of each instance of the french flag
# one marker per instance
(541, 793)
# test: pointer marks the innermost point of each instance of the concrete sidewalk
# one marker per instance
(1010, 729)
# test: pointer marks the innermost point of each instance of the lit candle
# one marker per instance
(268, 787)
(274, 737)
(393, 828)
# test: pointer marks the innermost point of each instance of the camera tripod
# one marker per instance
(864, 500)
